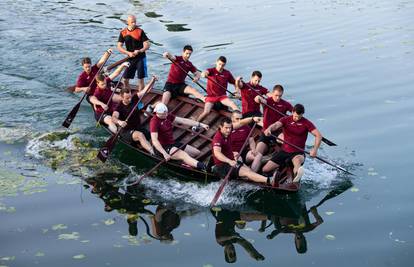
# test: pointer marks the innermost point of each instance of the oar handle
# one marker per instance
(226, 178)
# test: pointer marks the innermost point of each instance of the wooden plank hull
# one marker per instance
(189, 108)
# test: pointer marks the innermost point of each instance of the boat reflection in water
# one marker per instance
(278, 214)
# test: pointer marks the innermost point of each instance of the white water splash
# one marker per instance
(37, 145)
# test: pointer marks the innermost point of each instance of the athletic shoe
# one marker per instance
(299, 175)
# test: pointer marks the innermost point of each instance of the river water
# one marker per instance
(349, 62)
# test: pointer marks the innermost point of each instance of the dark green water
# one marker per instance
(350, 62)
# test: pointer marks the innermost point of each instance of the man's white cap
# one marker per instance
(160, 108)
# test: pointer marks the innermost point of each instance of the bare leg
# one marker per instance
(126, 83)
(270, 166)
(140, 84)
(255, 177)
(260, 149)
(249, 157)
(192, 91)
(182, 155)
(227, 102)
(111, 125)
(192, 151)
(166, 96)
(207, 109)
(140, 137)
(297, 162)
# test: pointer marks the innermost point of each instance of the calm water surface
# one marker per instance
(349, 62)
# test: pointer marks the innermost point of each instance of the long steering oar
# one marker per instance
(317, 157)
(335, 192)
(110, 143)
(75, 109)
(112, 95)
(226, 178)
(163, 161)
(326, 141)
(110, 67)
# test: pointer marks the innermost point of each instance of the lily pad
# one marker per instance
(72, 236)
(146, 201)
(59, 227)
(354, 189)
(109, 222)
(39, 254)
(329, 212)
(330, 237)
(79, 257)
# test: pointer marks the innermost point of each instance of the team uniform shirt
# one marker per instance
(248, 95)
(134, 121)
(270, 116)
(134, 40)
(164, 128)
(104, 95)
(176, 75)
(295, 133)
(225, 144)
(238, 137)
(222, 78)
(85, 79)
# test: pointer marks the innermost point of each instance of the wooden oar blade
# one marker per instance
(68, 121)
(328, 142)
(104, 152)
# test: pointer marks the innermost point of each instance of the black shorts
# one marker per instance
(167, 148)
(243, 154)
(176, 89)
(282, 158)
(222, 169)
(268, 140)
(98, 116)
(137, 65)
(252, 114)
(126, 135)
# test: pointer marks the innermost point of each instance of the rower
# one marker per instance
(217, 80)
(175, 85)
(240, 132)
(248, 92)
(276, 102)
(102, 95)
(89, 71)
(224, 159)
(133, 131)
(161, 129)
(295, 131)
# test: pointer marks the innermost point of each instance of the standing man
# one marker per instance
(136, 43)
(89, 71)
(273, 109)
(295, 131)
(217, 80)
(175, 85)
(249, 91)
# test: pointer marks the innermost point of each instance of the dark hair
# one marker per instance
(125, 90)
(278, 87)
(222, 59)
(257, 73)
(100, 77)
(225, 120)
(188, 47)
(299, 109)
(86, 60)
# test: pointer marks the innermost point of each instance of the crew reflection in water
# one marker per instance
(278, 214)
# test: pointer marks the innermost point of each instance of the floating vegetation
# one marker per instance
(72, 236)
(59, 226)
(330, 237)
(354, 189)
(177, 27)
(329, 212)
(109, 222)
(9, 258)
(79, 257)
(40, 254)
(187, 234)
(152, 15)
(10, 182)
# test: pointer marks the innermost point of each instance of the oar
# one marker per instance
(226, 178)
(112, 95)
(335, 192)
(75, 109)
(317, 157)
(110, 143)
(163, 161)
(326, 141)
(72, 88)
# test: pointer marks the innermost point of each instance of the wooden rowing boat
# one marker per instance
(189, 108)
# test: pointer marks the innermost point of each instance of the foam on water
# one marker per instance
(12, 134)
(41, 143)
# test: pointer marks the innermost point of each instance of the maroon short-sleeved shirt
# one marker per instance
(248, 95)
(85, 79)
(176, 74)
(295, 133)
(238, 137)
(270, 116)
(104, 95)
(164, 128)
(225, 144)
(222, 78)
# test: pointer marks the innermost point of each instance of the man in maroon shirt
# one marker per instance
(249, 91)
(175, 85)
(88, 74)
(102, 95)
(224, 159)
(295, 131)
(136, 43)
(161, 128)
(269, 117)
(133, 131)
(217, 80)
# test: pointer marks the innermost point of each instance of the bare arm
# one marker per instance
(318, 139)
(96, 102)
(169, 56)
(252, 144)
(118, 70)
(148, 86)
(104, 57)
(260, 100)
(190, 122)
(275, 126)
(123, 50)
(220, 156)
(156, 143)
(205, 74)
